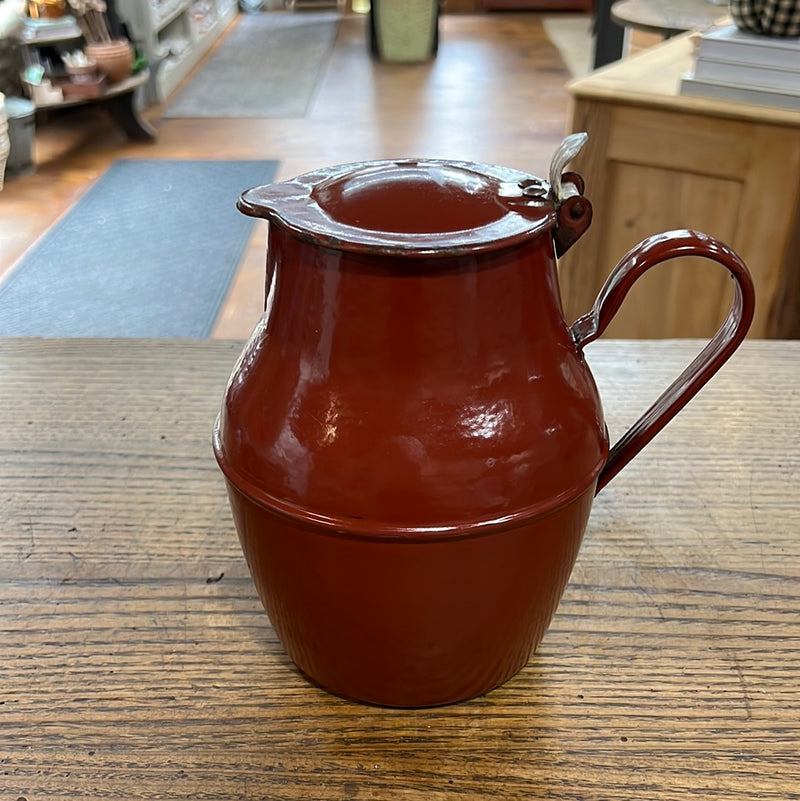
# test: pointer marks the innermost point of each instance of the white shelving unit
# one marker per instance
(174, 35)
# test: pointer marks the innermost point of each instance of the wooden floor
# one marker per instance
(494, 93)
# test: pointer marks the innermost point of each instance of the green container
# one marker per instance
(406, 30)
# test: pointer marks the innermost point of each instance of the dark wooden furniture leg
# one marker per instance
(607, 35)
(124, 112)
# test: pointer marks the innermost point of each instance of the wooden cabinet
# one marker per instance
(174, 35)
(657, 160)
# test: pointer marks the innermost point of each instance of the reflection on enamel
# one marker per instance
(330, 422)
(486, 422)
(291, 451)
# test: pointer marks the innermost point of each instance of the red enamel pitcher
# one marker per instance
(411, 438)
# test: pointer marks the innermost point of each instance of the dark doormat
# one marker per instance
(268, 66)
(148, 251)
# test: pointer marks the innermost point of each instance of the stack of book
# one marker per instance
(732, 64)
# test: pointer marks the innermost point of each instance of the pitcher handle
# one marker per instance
(633, 265)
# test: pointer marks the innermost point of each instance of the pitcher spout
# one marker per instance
(265, 202)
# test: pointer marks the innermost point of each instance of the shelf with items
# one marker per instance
(69, 59)
(119, 97)
(167, 11)
(56, 69)
(108, 92)
(174, 40)
(203, 16)
(73, 50)
(47, 44)
(175, 68)
(173, 35)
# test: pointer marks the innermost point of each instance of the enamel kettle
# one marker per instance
(411, 438)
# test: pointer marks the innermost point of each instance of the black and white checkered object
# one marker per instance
(767, 17)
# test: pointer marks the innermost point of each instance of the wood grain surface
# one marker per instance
(137, 663)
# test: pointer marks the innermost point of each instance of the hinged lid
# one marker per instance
(409, 207)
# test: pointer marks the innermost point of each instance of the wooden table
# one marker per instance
(136, 662)
(658, 160)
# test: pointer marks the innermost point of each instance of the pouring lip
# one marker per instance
(314, 207)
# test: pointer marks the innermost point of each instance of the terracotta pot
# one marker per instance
(113, 59)
(411, 438)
